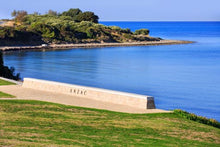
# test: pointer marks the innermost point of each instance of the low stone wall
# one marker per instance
(129, 99)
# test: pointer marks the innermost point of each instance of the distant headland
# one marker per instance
(69, 29)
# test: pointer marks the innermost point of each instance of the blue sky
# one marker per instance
(124, 10)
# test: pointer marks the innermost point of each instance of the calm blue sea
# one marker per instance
(178, 76)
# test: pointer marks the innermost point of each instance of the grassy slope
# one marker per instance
(3, 82)
(24, 123)
(5, 95)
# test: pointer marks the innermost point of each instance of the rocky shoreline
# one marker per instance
(93, 45)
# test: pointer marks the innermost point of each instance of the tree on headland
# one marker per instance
(72, 12)
(142, 32)
(87, 16)
(36, 13)
(14, 13)
(19, 15)
(78, 15)
(7, 72)
(53, 13)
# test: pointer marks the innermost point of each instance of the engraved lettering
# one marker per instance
(78, 91)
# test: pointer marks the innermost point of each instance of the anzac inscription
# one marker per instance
(78, 91)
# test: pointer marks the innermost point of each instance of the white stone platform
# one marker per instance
(109, 96)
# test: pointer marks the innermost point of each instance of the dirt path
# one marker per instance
(31, 94)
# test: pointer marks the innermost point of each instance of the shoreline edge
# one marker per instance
(94, 45)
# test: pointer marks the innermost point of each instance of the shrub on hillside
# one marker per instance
(87, 16)
(142, 32)
(72, 13)
(200, 119)
(18, 36)
(19, 15)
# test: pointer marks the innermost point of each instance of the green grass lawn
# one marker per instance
(5, 95)
(3, 82)
(36, 123)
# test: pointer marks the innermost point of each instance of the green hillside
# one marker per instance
(72, 26)
(35, 123)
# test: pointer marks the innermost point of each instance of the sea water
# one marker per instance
(185, 76)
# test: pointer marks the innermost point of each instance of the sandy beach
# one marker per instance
(93, 45)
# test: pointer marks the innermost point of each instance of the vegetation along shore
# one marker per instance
(69, 29)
